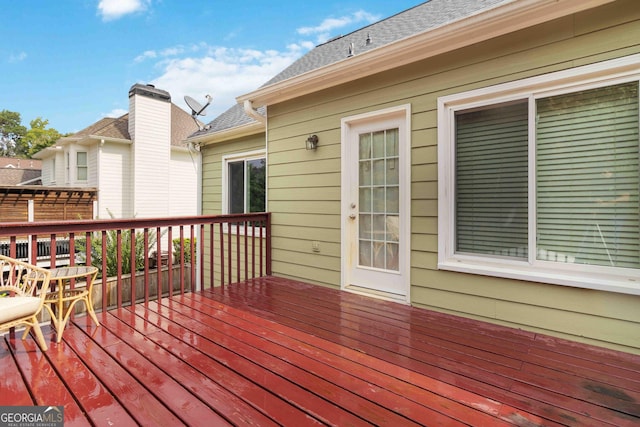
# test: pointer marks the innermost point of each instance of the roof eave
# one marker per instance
(100, 138)
(228, 134)
(476, 28)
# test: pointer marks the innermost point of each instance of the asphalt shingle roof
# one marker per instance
(108, 127)
(182, 125)
(423, 17)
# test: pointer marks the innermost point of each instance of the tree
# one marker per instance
(38, 138)
(17, 141)
(11, 132)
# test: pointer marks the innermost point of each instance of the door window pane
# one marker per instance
(379, 195)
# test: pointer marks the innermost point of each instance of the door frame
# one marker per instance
(402, 112)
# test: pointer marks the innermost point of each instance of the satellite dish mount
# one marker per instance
(196, 108)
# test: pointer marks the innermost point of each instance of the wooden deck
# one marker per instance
(278, 352)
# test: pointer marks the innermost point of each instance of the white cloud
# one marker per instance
(226, 72)
(115, 9)
(17, 57)
(147, 54)
(222, 72)
(164, 53)
(115, 113)
(324, 30)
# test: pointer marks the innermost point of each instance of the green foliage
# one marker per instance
(11, 132)
(17, 141)
(186, 245)
(112, 250)
(39, 137)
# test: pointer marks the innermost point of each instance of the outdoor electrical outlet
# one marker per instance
(315, 246)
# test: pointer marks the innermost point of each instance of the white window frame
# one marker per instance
(230, 158)
(85, 166)
(53, 169)
(606, 73)
(67, 165)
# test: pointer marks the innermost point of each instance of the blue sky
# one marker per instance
(73, 61)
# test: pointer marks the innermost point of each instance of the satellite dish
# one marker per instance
(196, 108)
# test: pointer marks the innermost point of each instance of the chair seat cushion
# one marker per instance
(12, 308)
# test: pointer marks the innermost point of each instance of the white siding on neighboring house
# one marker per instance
(53, 169)
(150, 129)
(48, 171)
(115, 181)
(183, 186)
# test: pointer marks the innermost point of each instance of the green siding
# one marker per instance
(212, 155)
(304, 187)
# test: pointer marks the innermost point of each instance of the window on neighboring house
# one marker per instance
(81, 166)
(53, 169)
(67, 165)
(245, 183)
(544, 185)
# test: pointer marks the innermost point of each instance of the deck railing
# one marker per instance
(225, 248)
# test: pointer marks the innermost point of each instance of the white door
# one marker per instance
(375, 203)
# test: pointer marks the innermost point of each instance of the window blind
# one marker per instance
(587, 177)
(492, 181)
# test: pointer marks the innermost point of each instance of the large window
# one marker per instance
(245, 184)
(543, 184)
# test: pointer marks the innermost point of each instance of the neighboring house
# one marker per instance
(138, 162)
(14, 171)
(474, 157)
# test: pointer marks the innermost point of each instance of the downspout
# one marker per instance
(96, 202)
(253, 113)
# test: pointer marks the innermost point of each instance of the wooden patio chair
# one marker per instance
(23, 288)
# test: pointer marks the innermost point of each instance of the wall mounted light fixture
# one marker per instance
(312, 142)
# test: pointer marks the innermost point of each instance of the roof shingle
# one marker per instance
(421, 18)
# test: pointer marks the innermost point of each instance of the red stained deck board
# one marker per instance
(13, 390)
(44, 383)
(444, 387)
(84, 391)
(359, 367)
(138, 402)
(245, 378)
(298, 354)
(386, 310)
(162, 386)
(248, 369)
(213, 344)
(622, 368)
(229, 409)
(340, 398)
(401, 333)
(578, 411)
(595, 368)
(383, 326)
(247, 332)
(591, 392)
